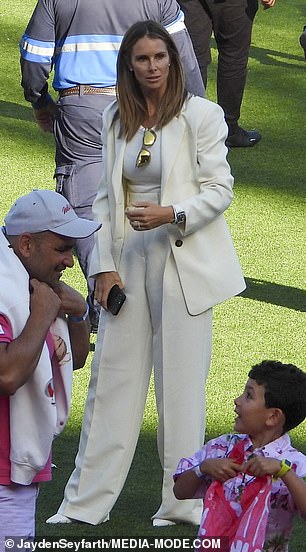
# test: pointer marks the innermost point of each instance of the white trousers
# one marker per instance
(153, 328)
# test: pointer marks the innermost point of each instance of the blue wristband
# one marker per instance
(197, 471)
(79, 318)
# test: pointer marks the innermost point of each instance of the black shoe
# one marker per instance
(243, 138)
(303, 40)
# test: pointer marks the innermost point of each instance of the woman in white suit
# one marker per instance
(164, 239)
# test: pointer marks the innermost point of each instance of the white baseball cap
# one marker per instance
(42, 210)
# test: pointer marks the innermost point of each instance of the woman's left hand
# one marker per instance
(146, 215)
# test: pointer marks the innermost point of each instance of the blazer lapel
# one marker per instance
(172, 135)
(119, 148)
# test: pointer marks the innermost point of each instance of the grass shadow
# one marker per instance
(16, 111)
(276, 294)
(266, 56)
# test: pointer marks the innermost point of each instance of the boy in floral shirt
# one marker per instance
(252, 481)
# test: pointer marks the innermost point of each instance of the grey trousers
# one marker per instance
(78, 160)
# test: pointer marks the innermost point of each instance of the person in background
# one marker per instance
(161, 200)
(231, 22)
(80, 42)
(256, 471)
(44, 334)
(302, 40)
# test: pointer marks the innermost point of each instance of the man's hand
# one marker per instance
(44, 302)
(268, 3)
(19, 358)
(44, 116)
(72, 302)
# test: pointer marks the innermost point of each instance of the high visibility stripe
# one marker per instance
(35, 50)
(82, 59)
(88, 47)
(44, 50)
(177, 25)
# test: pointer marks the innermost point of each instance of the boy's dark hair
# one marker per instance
(285, 388)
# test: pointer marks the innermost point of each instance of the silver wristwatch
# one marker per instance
(179, 216)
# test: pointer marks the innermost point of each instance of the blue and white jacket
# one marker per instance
(80, 40)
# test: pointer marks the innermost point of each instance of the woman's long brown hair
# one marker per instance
(131, 101)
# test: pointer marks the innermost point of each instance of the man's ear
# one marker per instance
(276, 417)
(25, 244)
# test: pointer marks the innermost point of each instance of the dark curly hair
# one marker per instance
(285, 388)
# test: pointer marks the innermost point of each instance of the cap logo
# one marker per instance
(66, 209)
(53, 213)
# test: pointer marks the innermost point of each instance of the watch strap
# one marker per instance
(79, 318)
(286, 466)
(179, 215)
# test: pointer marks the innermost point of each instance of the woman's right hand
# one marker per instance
(104, 282)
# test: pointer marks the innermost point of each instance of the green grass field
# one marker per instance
(267, 220)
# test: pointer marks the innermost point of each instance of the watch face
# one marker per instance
(180, 217)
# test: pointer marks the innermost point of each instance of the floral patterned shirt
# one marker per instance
(282, 508)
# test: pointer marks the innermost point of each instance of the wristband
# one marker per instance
(198, 472)
(286, 466)
(79, 318)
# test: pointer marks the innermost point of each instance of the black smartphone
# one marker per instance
(115, 300)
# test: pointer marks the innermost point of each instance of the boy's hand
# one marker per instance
(260, 466)
(220, 469)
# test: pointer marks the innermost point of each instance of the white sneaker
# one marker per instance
(157, 522)
(59, 518)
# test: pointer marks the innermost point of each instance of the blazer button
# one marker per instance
(179, 243)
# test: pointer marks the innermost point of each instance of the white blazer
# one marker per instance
(195, 175)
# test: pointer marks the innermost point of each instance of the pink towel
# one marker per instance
(246, 532)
